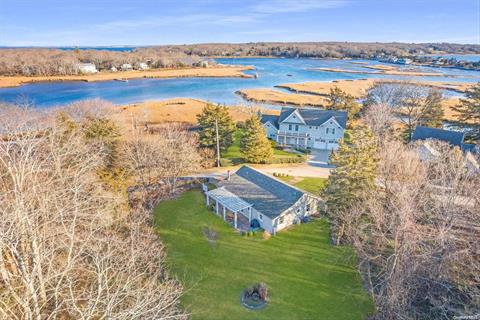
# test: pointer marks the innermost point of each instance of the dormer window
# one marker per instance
(333, 131)
(290, 127)
(296, 127)
(328, 130)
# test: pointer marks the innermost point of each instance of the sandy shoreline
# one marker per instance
(216, 71)
(359, 87)
(385, 71)
(271, 96)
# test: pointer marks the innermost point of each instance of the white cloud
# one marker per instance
(282, 6)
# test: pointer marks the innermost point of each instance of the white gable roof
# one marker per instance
(295, 115)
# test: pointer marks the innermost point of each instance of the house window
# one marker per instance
(290, 127)
(280, 220)
(332, 141)
(328, 129)
(308, 207)
(260, 217)
(310, 127)
(296, 127)
(333, 131)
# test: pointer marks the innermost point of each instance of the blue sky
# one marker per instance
(149, 22)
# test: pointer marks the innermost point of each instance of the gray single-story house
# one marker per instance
(250, 195)
(454, 138)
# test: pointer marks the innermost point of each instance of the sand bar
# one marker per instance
(392, 72)
(215, 71)
(264, 95)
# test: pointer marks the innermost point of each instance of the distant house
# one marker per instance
(143, 66)
(113, 69)
(87, 68)
(306, 128)
(404, 61)
(454, 138)
(249, 197)
(126, 67)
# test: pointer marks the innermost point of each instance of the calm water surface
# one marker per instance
(271, 72)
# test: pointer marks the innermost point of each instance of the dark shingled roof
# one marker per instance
(453, 137)
(273, 119)
(268, 195)
(312, 116)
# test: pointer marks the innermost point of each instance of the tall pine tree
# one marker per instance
(432, 111)
(354, 173)
(255, 145)
(340, 100)
(226, 126)
(469, 111)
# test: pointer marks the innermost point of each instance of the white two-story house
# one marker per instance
(306, 128)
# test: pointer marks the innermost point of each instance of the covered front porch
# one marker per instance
(230, 207)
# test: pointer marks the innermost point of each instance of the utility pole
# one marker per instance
(218, 143)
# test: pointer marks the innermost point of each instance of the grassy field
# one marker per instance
(307, 277)
(311, 184)
(235, 155)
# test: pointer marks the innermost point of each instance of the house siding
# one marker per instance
(325, 136)
(294, 214)
(270, 130)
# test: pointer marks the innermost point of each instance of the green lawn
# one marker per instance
(307, 277)
(311, 184)
(235, 155)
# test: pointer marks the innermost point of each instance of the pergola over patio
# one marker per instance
(229, 201)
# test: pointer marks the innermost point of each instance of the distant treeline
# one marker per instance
(325, 49)
(51, 62)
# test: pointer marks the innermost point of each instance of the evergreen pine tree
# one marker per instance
(432, 111)
(355, 170)
(255, 145)
(469, 111)
(340, 100)
(226, 126)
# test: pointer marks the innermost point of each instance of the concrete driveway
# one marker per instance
(320, 158)
(316, 166)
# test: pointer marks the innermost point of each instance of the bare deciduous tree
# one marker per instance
(380, 119)
(416, 235)
(65, 253)
(165, 155)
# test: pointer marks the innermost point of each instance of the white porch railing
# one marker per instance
(292, 134)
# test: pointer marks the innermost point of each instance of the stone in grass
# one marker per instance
(255, 297)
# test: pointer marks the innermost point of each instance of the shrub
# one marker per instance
(262, 290)
(288, 159)
(266, 235)
(225, 162)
